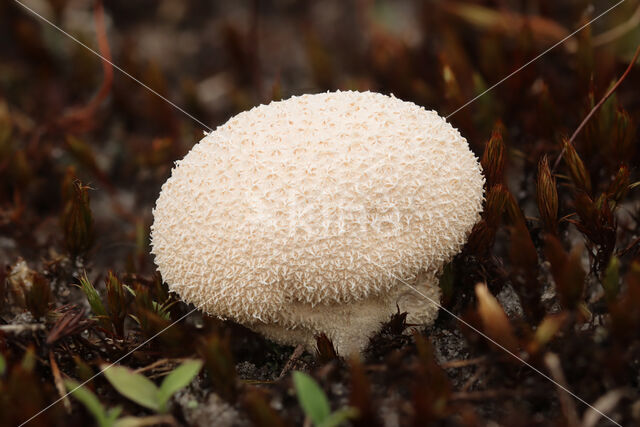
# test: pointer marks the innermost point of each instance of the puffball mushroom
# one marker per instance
(313, 214)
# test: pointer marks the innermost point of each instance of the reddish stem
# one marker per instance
(597, 106)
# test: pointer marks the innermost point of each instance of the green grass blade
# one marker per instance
(95, 302)
(135, 387)
(177, 379)
(311, 397)
(90, 401)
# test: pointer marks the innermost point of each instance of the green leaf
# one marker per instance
(128, 288)
(95, 302)
(340, 417)
(29, 360)
(177, 379)
(112, 415)
(3, 365)
(136, 318)
(93, 405)
(135, 387)
(311, 397)
(162, 310)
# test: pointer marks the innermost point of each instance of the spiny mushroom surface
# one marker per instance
(305, 216)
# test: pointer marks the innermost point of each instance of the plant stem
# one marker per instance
(597, 106)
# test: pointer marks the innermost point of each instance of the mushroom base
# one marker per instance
(350, 326)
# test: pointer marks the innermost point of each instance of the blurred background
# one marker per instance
(84, 150)
(217, 58)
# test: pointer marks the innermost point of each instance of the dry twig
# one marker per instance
(604, 404)
(16, 329)
(297, 352)
(463, 363)
(552, 361)
(489, 394)
(57, 379)
(471, 381)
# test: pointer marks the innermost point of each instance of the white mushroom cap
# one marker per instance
(317, 204)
